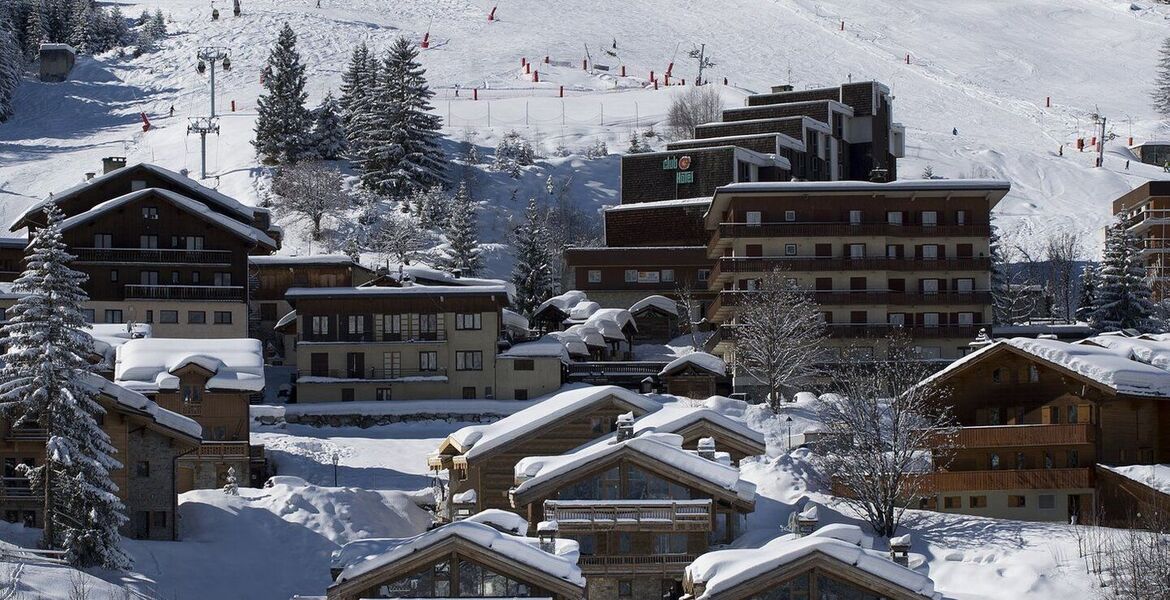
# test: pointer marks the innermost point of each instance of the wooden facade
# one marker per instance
(815, 575)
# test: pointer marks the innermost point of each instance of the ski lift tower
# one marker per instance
(209, 57)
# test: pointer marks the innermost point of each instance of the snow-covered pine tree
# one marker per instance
(34, 29)
(463, 250)
(512, 153)
(231, 486)
(328, 129)
(1122, 298)
(532, 275)
(1085, 304)
(400, 153)
(47, 381)
(11, 67)
(158, 25)
(282, 121)
(1161, 93)
(636, 146)
(432, 207)
(81, 26)
(357, 85)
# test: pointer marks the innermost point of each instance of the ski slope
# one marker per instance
(983, 68)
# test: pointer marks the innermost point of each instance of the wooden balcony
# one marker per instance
(223, 450)
(729, 231)
(214, 293)
(720, 308)
(727, 332)
(631, 515)
(637, 564)
(154, 256)
(1012, 436)
(1027, 479)
(765, 264)
(16, 489)
(27, 434)
(376, 374)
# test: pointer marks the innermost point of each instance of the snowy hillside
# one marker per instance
(982, 68)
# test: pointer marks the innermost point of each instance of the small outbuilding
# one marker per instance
(56, 62)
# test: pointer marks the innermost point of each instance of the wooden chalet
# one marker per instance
(695, 375)
(657, 317)
(466, 559)
(694, 424)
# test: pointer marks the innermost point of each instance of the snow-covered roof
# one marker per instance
(583, 309)
(588, 334)
(610, 322)
(13, 242)
(194, 207)
(504, 520)
(149, 364)
(363, 556)
(662, 448)
(563, 302)
(1154, 476)
(136, 401)
(422, 272)
(312, 259)
(1149, 350)
(57, 46)
(723, 570)
(701, 201)
(676, 416)
(573, 342)
(660, 302)
(514, 320)
(476, 440)
(702, 360)
(222, 200)
(409, 290)
(546, 346)
(108, 337)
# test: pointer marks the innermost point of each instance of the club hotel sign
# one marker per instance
(682, 168)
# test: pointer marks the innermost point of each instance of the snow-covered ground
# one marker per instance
(983, 68)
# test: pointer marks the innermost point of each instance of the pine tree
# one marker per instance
(636, 146)
(400, 153)
(328, 129)
(532, 275)
(1122, 296)
(11, 68)
(34, 29)
(282, 121)
(463, 250)
(81, 23)
(231, 485)
(356, 85)
(432, 207)
(1085, 305)
(1161, 93)
(47, 381)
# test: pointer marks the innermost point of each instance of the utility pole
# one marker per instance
(208, 57)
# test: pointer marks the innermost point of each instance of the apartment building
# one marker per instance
(1042, 418)
(410, 342)
(162, 249)
(148, 439)
(907, 256)
(1145, 211)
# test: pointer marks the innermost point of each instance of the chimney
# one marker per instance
(806, 520)
(900, 550)
(707, 448)
(780, 89)
(90, 175)
(646, 386)
(456, 273)
(625, 427)
(878, 175)
(546, 531)
(112, 163)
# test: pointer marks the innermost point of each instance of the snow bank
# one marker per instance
(294, 260)
(701, 360)
(478, 439)
(563, 302)
(148, 365)
(514, 320)
(660, 302)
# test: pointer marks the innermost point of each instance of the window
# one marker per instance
(894, 217)
(148, 277)
(930, 286)
(631, 276)
(428, 361)
(960, 217)
(966, 319)
(223, 317)
(469, 360)
(1047, 501)
(222, 279)
(703, 274)
(930, 319)
(137, 184)
(898, 319)
(175, 278)
(355, 365)
(1072, 414)
(977, 502)
(1017, 501)
(355, 324)
(892, 250)
(930, 252)
(158, 519)
(103, 240)
(754, 218)
(195, 277)
(670, 543)
(1033, 374)
(929, 218)
(625, 588)
(587, 544)
(428, 326)
(87, 315)
(347, 394)
(594, 276)
(668, 275)
(319, 364)
(469, 321)
(790, 215)
(168, 316)
(953, 502)
(997, 376)
(150, 212)
(965, 285)
(601, 425)
(382, 394)
(114, 315)
(196, 317)
(994, 461)
(142, 468)
(855, 217)
(789, 249)
(521, 394)
(150, 316)
(320, 325)
(1021, 461)
(113, 274)
(929, 352)
(856, 250)
(523, 364)
(148, 241)
(195, 242)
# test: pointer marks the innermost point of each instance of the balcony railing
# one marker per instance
(153, 256)
(602, 368)
(729, 298)
(374, 374)
(727, 332)
(626, 564)
(27, 434)
(641, 515)
(765, 264)
(213, 449)
(15, 488)
(1026, 479)
(1012, 436)
(844, 229)
(219, 293)
(370, 337)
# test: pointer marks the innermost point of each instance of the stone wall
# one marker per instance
(156, 492)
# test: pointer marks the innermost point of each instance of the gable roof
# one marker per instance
(364, 557)
(476, 440)
(226, 202)
(721, 571)
(150, 364)
(133, 401)
(660, 448)
(194, 207)
(676, 417)
(699, 360)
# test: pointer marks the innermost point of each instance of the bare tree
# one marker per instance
(309, 191)
(883, 421)
(1131, 563)
(1062, 251)
(779, 335)
(694, 107)
(399, 237)
(1013, 271)
(690, 307)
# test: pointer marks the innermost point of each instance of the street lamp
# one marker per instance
(788, 422)
(337, 457)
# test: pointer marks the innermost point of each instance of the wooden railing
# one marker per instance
(843, 229)
(616, 368)
(372, 374)
(881, 330)
(635, 564)
(1027, 435)
(765, 264)
(728, 298)
(185, 292)
(15, 488)
(27, 434)
(645, 515)
(209, 449)
(153, 255)
(1028, 479)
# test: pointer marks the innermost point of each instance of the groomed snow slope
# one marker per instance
(984, 68)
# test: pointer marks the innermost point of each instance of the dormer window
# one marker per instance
(150, 212)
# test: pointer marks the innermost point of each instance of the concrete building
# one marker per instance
(1145, 210)
(162, 249)
(1154, 152)
(56, 62)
